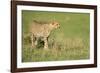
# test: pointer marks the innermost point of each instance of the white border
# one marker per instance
(52, 63)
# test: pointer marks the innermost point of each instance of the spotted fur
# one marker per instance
(41, 30)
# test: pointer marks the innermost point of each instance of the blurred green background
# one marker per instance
(69, 42)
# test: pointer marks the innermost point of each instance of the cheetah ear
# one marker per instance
(53, 23)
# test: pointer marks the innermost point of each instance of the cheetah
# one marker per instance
(41, 30)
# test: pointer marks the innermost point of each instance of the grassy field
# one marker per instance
(69, 42)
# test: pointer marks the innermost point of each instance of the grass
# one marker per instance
(69, 42)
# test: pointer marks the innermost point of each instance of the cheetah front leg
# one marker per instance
(45, 43)
(36, 41)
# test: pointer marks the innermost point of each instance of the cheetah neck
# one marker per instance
(50, 28)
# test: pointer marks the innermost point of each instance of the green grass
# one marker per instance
(69, 42)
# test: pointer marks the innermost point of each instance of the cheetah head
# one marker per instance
(55, 25)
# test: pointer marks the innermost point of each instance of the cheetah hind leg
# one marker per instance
(32, 42)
